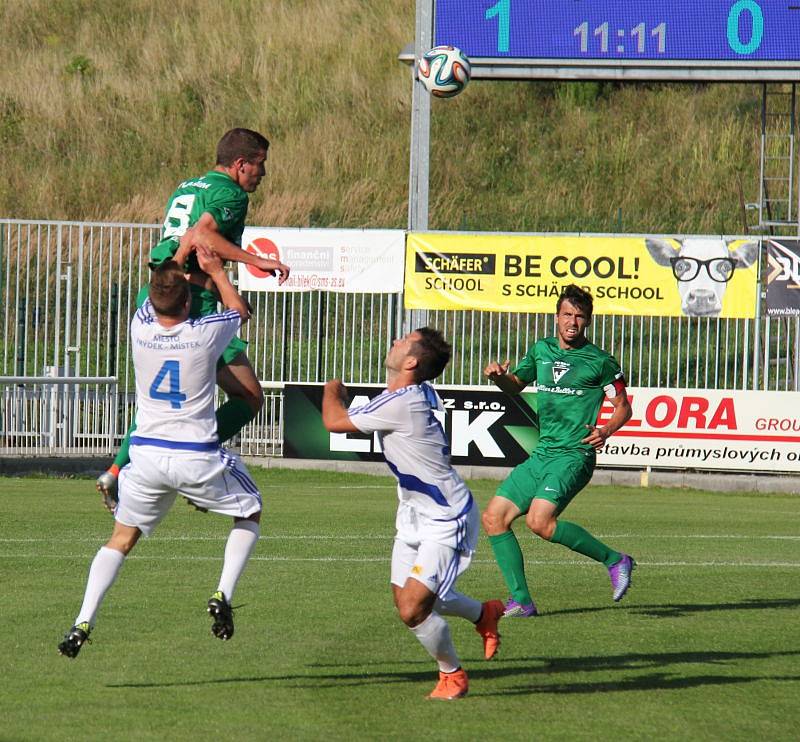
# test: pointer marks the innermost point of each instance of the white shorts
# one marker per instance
(215, 480)
(430, 552)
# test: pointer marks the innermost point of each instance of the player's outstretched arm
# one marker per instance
(622, 413)
(206, 232)
(335, 417)
(506, 381)
(229, 296)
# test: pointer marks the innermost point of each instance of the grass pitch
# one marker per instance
(705, 645)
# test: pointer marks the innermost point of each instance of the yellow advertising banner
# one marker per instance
(657, 276)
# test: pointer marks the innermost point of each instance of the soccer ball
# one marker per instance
(444, 71)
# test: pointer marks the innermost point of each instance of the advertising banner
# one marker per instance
(783, 277)
(343, 260)
(707, 429)
(484, 427)
(670, 428)
(658, 276)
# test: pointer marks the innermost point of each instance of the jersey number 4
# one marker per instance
(171, 370)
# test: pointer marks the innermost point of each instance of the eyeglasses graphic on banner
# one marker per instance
(718, 269)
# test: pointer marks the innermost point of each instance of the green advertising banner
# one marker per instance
(484, 426)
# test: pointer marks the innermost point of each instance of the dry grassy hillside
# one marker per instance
(106, 104)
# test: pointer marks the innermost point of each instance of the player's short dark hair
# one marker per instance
(432, 352)
(578, 297)
(169, 290)
(238, 143)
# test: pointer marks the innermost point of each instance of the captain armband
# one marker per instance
(615, 388)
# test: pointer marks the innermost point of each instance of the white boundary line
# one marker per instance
(390, 536)
(386, 560)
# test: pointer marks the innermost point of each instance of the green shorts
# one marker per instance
(204, 303)
(553, 477)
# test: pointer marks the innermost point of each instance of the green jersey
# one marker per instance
(570, 387)
(214, 193)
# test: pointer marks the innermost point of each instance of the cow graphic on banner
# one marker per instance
(702, 267)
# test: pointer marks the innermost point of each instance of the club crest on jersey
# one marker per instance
(227, 214)
(559, 369)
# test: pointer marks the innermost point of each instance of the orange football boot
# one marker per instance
(487, 627)
(451, 685)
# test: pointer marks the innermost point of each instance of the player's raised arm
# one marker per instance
(229, 296)
(335, 416)
(499, 374)
(206, 232)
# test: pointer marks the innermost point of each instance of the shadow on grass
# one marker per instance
(678, 610)
(675, 611)
(306, 680)
(655, 681)
(523, 666)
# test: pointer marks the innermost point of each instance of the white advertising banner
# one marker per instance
(345, 260)
(707, 429)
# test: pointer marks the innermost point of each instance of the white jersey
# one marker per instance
(176, 378)
(416, 450)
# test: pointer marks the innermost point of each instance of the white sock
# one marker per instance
(434, 634)
(102, 574)
(456, 604)
(241, 542)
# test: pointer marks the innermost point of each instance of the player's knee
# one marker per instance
(489, 521)
(495, 521)
(412, 614)
(254, 396)
(541, 526)
(122, 542)
(242, 385)
(411, 610)
(251, 394)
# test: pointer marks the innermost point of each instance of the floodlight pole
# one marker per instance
(419, 165)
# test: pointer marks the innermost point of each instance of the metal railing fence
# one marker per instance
(67, 291)
(43, 415)
(673, 352)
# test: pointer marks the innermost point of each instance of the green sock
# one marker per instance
(509, 558)
(122, 457)
(232, 417)
(579, 539)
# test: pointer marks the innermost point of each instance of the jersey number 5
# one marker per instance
(172, 371)
(179, 211)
